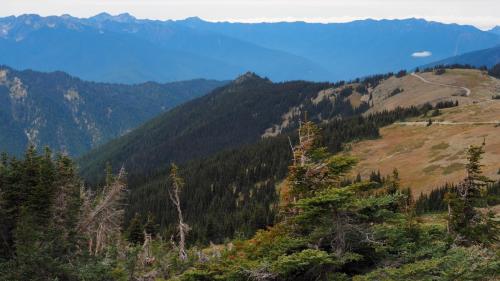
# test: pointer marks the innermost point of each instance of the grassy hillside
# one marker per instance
(430, 156)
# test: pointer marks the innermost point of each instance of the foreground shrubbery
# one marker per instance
(359, 231)
(327, 228)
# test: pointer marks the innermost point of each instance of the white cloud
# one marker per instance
(422, 54)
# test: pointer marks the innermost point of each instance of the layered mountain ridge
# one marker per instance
(71, 115)
(125, 49)
(481, 58)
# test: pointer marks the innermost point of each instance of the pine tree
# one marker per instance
(466, 223)
(393, 184)
(31, 259)
(66, 207)
(150, 227)
(324, 207)
(135, 231)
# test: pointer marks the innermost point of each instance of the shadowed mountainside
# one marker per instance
(68, 114)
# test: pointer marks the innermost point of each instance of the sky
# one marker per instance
(483, 14)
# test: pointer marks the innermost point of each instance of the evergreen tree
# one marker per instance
(135, 231)
(66, 208)
(150, 227)
(465, 222)
(393, 184)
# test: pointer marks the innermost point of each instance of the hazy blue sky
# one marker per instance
(481, 13)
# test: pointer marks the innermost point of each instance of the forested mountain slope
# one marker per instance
(68, 114)
(242, 112)
(244, 124)
(258, 116)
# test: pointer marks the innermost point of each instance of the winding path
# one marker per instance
(467, 90)
(424, 123)
(467, 93)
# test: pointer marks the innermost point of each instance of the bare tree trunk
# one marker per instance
(449, 218)
(102, 215)
(175, 198)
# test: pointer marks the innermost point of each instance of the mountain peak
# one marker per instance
(193, 19)
(124, 17)
(102, 16)
(248, 76)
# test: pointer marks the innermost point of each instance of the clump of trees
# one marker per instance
(495, 71)
(439, 71)
(442, 68)
(396, 91)
(401, 73)
(51, 227)
(446, 104)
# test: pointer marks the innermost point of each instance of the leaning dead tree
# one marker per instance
(307, 136)
(306, 174)
(102, 214)
(300, 170)
(174, 193)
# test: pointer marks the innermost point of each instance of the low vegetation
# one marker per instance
(327, 227)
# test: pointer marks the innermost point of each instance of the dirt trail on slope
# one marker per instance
(425, 123)
(467, 90)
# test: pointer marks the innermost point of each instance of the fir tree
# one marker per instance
(135, 231)
(393, 184)
(465, 222)
(150, 227)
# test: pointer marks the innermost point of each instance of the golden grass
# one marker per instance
(417, 92)
(428, 157)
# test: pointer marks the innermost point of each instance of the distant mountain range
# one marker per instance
(68, 114)
(128, 50)
(495, 30)
(487, 57)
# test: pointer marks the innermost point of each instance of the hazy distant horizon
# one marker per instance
(482, 14)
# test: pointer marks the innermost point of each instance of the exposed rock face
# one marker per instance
(3, 76)
(324, 94)
(287, 120)
(17, 90)
(72, 96)
(71, 115)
